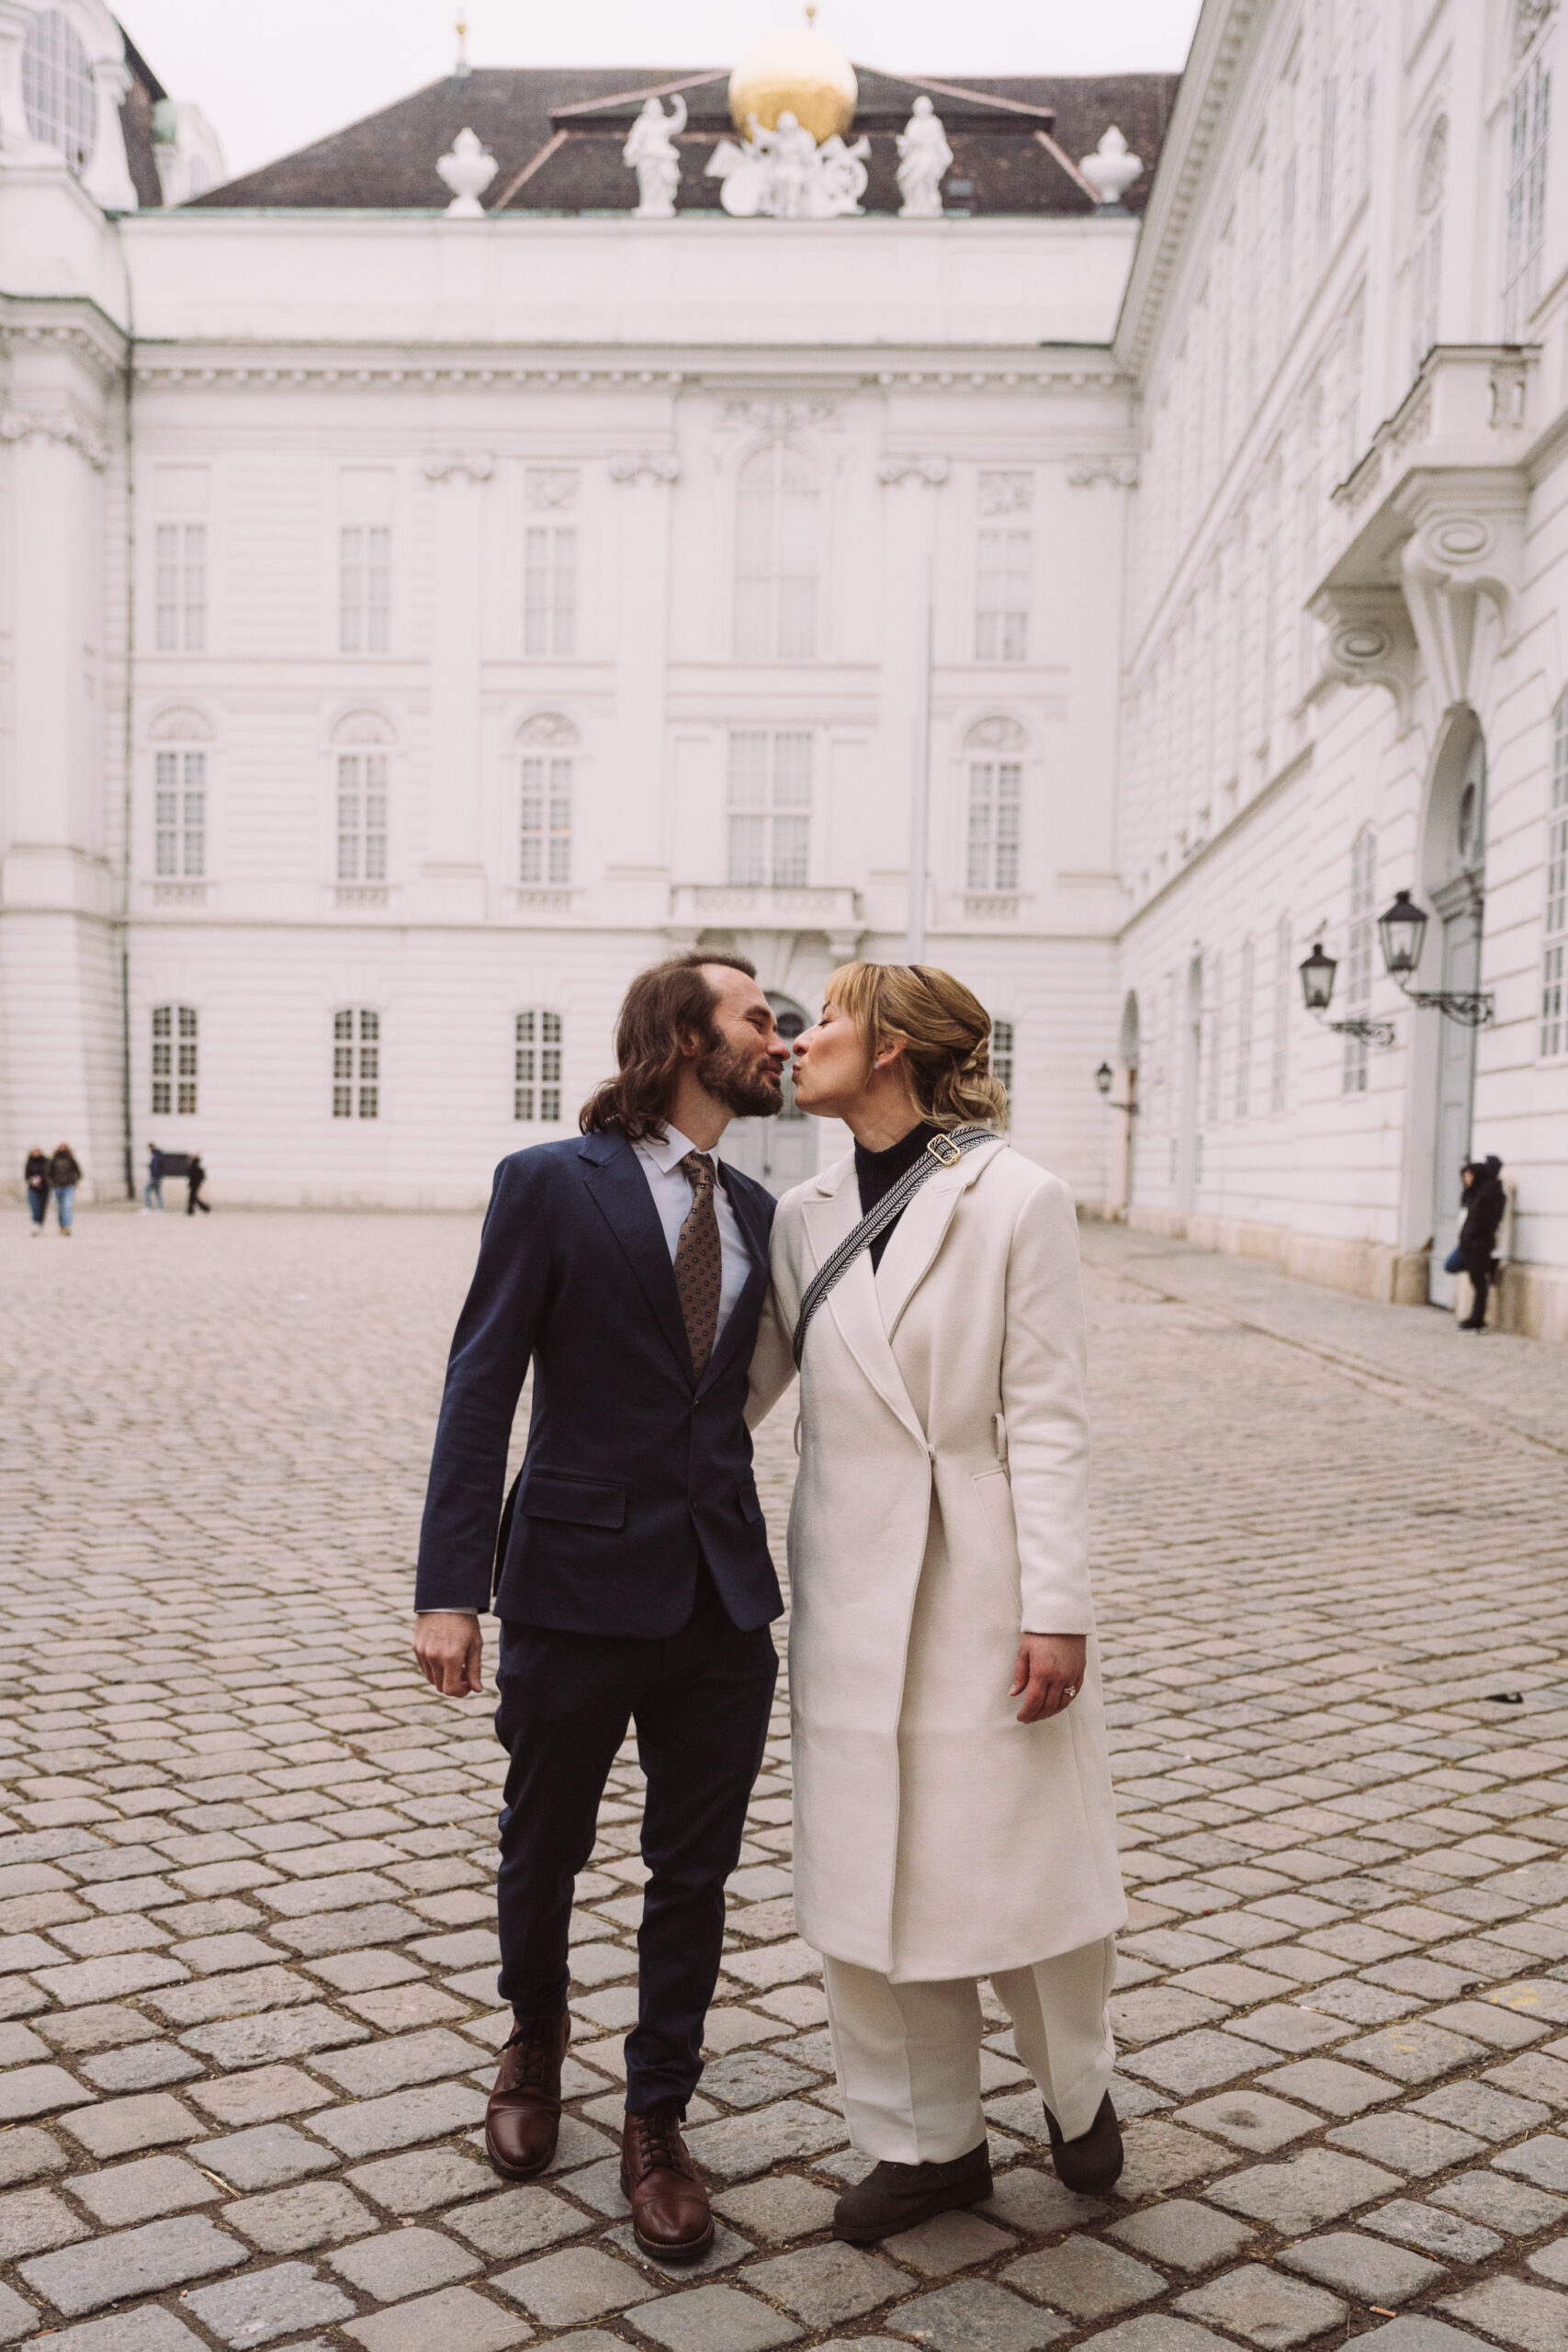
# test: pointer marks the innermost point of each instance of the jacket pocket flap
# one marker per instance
(589, 1502)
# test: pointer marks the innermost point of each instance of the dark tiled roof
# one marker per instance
(557, 135)
(136, 123)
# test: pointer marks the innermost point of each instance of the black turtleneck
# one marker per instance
(876, 1172)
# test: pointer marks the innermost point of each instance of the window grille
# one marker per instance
(180, 816)
(995, 791)
(536, 1066)
(549, 590)
(182, 588)
(1358, 954)
(1001, 595)
(776, 557)
(770, 808)
(545, 819)
(356, 1064)
(58, 95)
(1554, 976)
(361, 817)
(365, 582)
(1525, 236)
(176, 1056)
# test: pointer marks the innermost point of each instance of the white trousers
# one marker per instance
(908, 2054)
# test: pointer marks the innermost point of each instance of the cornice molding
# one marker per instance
(64, 430)
(167, 369)
(85, 331)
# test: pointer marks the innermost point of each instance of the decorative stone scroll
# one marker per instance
(1121, 471)
(931, 472)
(645, 465)
(479, 465)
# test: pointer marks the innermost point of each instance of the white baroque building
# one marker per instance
(425, 596)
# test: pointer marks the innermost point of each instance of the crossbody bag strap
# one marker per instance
(942, 1152)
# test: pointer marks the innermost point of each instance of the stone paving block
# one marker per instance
(520, 2220)
(955, 2241)
(18, 2318)
(1086, 2278)
(267, 2304)
(249, 1994)
(1416, 2332)
(121, 2125)
(1327, 2083)
(268, 2156)
(35, 2221)
(1304, 2190)
(107, 1980)
(1410, 2142)
(400, 2121)
(1157, 2332)
(1481, 2108)
(396, 2064)
(291, 2220)
(1154, 2011)
(578, 2282)
(1255, 2303)
(150, 2329)
(1499, 2203)
(131, 2262)
(1183, 2235)
(715, 2319)
(824, 2284)
(1161, 2155)
(1195, 2061)
(400, 2262)
(779, 2208)
(1534, 2076)
(25, 2155)
(346, 1931)
(423, 2179)
(1370, 2270)
(143, 2189)
(976, 2315)
(1543, 2161)
(1551, 2262)
(1533, 2317)
(279, 2033)
(1250, 2119)
(39, 2090)
(1416, 2053)
(1034, 2201)
(143, 2066)
(1447, 2235)
(456, 2320)
(742, 2145)
(1359, 2003)
(258, 2097)
(748, 2078)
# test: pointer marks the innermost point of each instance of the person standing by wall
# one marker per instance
(196, 1177)
(36, 1174)
(1486, 1204)
(65, 1175)
(152, 1191)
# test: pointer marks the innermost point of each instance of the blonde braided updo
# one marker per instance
(945, 1031)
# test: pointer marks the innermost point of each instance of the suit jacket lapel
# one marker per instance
(852, 1301)
(619, 1188)
(919, 1233)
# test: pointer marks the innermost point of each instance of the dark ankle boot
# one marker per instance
(671, 2218)
(523, 2118)
(895, 2197)
(1092, 2161)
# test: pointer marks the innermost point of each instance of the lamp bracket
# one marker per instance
(1476, 1010)
(1371, 1033)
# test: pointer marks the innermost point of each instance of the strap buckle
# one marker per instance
(944, 1152)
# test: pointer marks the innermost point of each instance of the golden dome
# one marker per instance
(795, 71)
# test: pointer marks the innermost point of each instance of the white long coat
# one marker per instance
(939, 1511)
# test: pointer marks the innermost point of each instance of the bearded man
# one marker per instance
(631, 1574)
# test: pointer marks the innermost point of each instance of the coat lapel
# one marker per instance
(919, 1233)
(853, 1302)
(619, 1189)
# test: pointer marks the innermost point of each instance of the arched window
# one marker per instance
(1554, 950)
(362, 796)
(179, 795)
(546, 782)
(1358, 952)
(57, 88)
(776, 557)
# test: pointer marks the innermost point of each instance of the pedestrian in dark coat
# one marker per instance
(65, 1175)
(1486, 1204)
(36, 1174)
(196, 1177)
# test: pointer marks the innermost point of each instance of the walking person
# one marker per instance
(629, 1267)
(1484, 1204)
(152, 1191)
(65, 1175)
(196, 1177)
(954, 1813)
(37, 1176)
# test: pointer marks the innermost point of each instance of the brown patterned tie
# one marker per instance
(699, 1265)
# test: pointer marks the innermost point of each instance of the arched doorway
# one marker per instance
(778, 1152)
(1453, 867)
(1128, 1046)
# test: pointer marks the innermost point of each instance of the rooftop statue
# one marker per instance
(785, 174)
(923, 156)
(651, 151)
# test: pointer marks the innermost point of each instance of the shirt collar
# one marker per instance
(667, 1156)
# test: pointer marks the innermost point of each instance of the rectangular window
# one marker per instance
(361, 817)
(365, 585)
(1001, 1056)
(1553, 977)
(995, 791)
(1216, 1043)
(1358, 954)
(549, 590)
(535, 1085)
(180, 817)
(1526, 212)
(1244, 1030)
(545, 805)
(1001, 596)
(356, 1064)
(1426, 280)
(1285, 977)
(770, 808)
(182, 588)
(175, 1057)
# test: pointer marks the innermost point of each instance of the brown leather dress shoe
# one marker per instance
(895, 2197)
(1094, 2159)
(670, 2216)
(523, 2118)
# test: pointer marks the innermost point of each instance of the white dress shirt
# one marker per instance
(673, 1196)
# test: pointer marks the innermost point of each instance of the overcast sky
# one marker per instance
(272, 79)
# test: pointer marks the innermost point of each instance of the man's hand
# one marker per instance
(450, 1650)
(1050, 1668)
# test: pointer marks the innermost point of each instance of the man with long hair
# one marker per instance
(632, 1574)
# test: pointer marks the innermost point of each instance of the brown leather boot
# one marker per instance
(670, 2218)
(1093, 2160)
(895, 2197)
(523, 2118)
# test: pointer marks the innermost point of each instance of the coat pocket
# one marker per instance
(994, 1489)
(586, 1502)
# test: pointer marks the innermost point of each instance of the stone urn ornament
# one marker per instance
(1110, 171)
(467, 172)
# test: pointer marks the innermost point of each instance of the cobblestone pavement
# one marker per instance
(245, 1909)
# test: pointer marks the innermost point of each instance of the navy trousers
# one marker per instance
(700, 1699)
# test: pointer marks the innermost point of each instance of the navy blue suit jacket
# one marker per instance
(635, 1472)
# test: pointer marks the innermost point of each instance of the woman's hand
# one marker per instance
(1050, 1669)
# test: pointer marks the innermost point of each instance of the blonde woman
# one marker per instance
(953, 1806)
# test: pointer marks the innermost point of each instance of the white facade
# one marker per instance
(410, 624)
